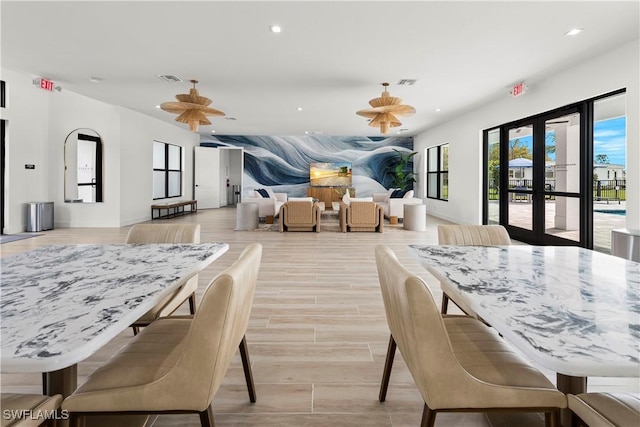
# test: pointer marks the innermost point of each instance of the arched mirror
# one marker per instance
(83, 167)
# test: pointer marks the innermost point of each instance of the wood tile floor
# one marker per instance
(317, 335)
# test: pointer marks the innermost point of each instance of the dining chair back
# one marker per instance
(458, 363)
(176, 364)
(467, 235)
(167, 233)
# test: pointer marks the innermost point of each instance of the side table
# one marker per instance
(247, 216)
(415, 217)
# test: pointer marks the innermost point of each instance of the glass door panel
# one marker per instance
(520, 177)
(562, 169)
(493, 177)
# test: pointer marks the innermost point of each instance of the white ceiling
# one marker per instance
(329, 59)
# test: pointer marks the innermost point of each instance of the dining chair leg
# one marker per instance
(428, 417)
(386, 373)
(552, 419)
(45, 387)
(192, 303)
(445, 303)
(206, 417)
(136, 329)
(246, 365)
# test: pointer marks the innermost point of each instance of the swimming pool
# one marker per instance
(612, 211)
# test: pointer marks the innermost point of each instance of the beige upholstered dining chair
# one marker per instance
(167, 233)
(176, 364)
(468, 235)
(458, 363)
(28, 410)
(606, 409)
(361, 216)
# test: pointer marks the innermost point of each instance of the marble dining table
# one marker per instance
(571, 310)
(60, 304)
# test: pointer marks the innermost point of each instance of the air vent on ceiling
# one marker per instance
(406, 82)
(230, 118)
(169, 78)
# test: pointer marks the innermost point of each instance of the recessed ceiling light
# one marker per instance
(157, 106)
(95, 79)
(437, 110)
(213, 131)
(306, 132)
(299, 108)
(275, 28)
(573, 32)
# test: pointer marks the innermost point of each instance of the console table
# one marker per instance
(328, 195)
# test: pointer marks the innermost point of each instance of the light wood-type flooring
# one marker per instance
(317, 336)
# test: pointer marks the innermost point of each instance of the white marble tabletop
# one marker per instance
(571, 310)
(60, 304)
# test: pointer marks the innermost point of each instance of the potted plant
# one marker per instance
(402, 176)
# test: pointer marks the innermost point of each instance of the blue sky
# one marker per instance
(609, 137)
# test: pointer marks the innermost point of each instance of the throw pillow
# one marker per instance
(361, 199)
(408, 194)
(263, 193)
(346, 199)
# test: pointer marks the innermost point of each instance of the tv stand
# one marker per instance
(328, 195)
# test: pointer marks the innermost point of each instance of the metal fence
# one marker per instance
(603, 189)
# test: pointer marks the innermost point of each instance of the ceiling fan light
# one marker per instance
(385, 110)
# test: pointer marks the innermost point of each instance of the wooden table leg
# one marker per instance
(570, 385)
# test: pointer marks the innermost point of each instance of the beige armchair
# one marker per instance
(458, 363)
(361, 216)
(300, 216)
(176, 364)
(167, 233)
(468, 235)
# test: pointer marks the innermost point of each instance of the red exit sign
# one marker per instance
(46, 84)
(518, 89)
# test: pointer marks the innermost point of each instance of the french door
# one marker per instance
(542, 181)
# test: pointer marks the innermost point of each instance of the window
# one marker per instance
(167, 170)
(438, 172)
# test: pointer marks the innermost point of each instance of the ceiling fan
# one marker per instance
(192, 108)
(385, 111)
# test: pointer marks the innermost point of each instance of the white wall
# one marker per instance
(614, 70)
(27, 142)
(136, 162)
(38, 123)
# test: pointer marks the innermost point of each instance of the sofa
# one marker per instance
(394, 206)
(267, 206)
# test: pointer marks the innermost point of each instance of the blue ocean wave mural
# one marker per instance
(282, 162)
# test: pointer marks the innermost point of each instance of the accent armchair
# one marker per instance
(361, 216)
(176, 364)
(300, 216)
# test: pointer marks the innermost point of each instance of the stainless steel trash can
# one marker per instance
(39, 216)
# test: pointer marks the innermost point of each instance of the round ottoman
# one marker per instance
(415, 217)
(247, 216)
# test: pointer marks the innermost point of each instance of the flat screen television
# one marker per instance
(330, 174)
